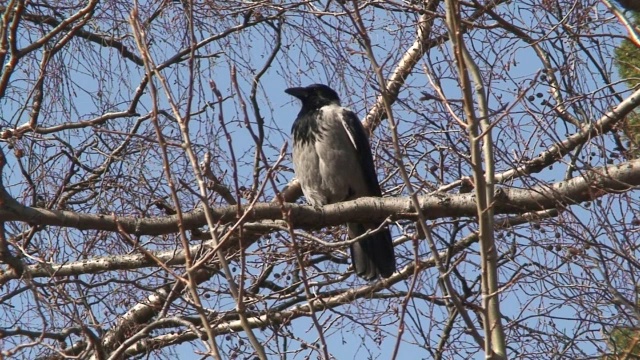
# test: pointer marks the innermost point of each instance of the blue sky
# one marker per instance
(90, 93)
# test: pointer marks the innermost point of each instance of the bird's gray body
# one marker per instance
(333, 162)
(333, 165)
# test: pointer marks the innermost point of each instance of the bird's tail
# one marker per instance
(373, 255)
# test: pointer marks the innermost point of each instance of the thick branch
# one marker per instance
(597, 182)
(594, 184)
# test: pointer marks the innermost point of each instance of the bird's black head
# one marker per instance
(314, 96)
(306, 127)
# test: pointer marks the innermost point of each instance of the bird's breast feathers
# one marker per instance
(333, 116)
(329, 168)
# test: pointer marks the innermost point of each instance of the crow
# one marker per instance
(333, 162)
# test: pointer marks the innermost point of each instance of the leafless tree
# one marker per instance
(149, 209)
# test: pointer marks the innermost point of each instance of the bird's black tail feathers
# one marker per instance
(372, 256)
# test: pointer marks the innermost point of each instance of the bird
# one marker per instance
(332, 161)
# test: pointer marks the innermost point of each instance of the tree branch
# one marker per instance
(592, 185)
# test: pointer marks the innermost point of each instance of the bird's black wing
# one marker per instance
(373, 255)
(360, 141)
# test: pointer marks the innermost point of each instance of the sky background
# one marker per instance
(88, 92)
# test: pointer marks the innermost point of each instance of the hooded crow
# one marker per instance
(333, 162)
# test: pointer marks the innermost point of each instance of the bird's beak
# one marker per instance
(299, 92)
